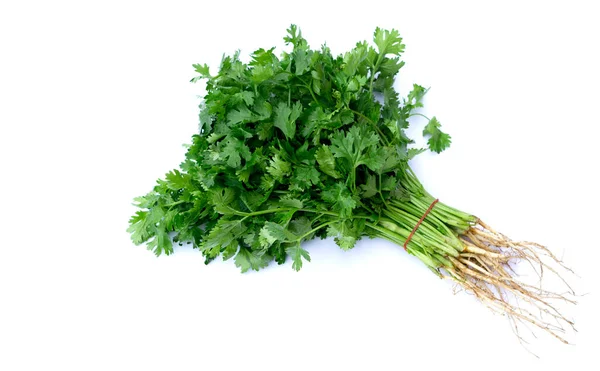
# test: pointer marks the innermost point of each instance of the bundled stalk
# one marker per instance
(312, 145)
(462, 248)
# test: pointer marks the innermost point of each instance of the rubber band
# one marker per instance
(419, 222)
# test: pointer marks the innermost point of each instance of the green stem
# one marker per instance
(426, 235)
(277, 210)
(387, 234)
(419, 114)
(383, 137)
(175, 203)
(313, 94)
(314, 230)
(374, 71)
(381, 193)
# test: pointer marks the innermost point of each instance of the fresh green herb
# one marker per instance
(307, 145)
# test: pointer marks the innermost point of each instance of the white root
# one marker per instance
(483, 270)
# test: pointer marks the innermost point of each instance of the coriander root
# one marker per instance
(484, 270)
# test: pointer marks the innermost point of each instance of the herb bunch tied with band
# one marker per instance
(308, 144)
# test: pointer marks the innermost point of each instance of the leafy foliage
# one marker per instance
(289, 148)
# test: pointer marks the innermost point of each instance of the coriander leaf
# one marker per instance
(248, 259)
(291, 202)
(369, 189)
(340, 199)
(304, 177)
(261, 73)
(205, 119)
(175, 180)
(234, 150)
(278, 168)
(352, 145)
(297, 253)
(139, 227)
(326, 161)
(438, 140)
(294, 36)
(302, 61)
(161, 243)
(271, 233)
(202, 69)
(230, 250)
(244, 96)
(354, 60)
(343, 234)
(222, 234)
(262, 108)
(388, 42)
(300, 226)
(286, 116)
(415, 97)
(222, 200)
(239, 115)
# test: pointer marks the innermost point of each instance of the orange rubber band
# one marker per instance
(419, 222)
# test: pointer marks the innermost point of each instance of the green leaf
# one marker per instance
(271, 233)
(261, 73)
(244, 96)
(262, 57)
(286, 116)
(202, 69)
(415, 97)
(326, 162)
(302, 60)
(438, 140)
(222, 199)
(224, 233)
(388, 42)
(304, 177)
(340, 198)
(205, 119)
(297, 254)
(300, 226)
(369, 189)
(294, 36)
(344, 236)
(291, 202)
(265, 130)
(161, 243)
(239, 115)
(230, 250)
(353, 145)
(279, 168)
(139, 227)
(175, 180)
(233, 151)
(247, 259)
(355, 60)
(262, 108)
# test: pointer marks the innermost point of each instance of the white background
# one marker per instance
(95, 104)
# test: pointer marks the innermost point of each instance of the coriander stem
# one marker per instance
(315, 229)
(307, 86)
(175, 203)
(419, 114)
(373, 71)
(389, 235)
(277, 210)
(383, 137)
